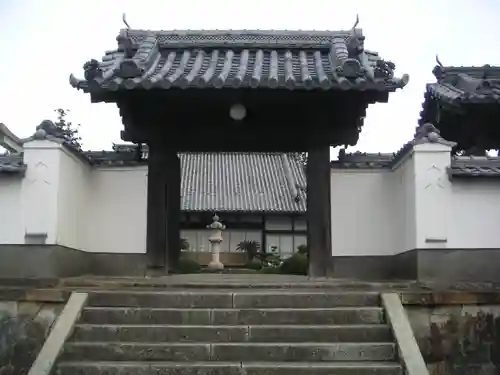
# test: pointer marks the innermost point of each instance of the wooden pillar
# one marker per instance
(156, 232)
(173, 206)
(319, 211)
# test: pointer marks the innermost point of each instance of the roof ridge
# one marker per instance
(236, 32)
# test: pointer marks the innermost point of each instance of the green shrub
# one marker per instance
(303, 249)
(254, 265)
(186, 265)
(297, 264)
(270, 270)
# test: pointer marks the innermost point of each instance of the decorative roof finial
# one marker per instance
(427, 131)
(124, 19)
(355, 24)
(439, 61)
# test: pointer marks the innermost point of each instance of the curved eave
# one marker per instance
(12, 170)
(118, 84)
(453, 96)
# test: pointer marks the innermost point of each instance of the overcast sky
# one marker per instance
(43, 41)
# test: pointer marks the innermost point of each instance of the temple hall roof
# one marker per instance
(240, 59)
(230, 181)
(458, 85)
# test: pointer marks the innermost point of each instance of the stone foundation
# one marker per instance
(53, 261)
(422, 264)
(24, 326)
(458, 339)
(447, 265)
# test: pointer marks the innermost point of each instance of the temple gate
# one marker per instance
(284, 91)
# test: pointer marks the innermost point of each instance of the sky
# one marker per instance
(46, 40)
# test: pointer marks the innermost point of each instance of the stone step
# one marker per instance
(194, 352)
(228, 299)
(204, 333)
(229, 368)
(337, 315)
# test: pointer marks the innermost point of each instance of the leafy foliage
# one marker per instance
(302, 157)
(70, 132)
(297, 264)
(251, 247)
(303, 249)
(187, 265)
(254, 265)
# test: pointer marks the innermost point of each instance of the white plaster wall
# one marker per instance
(362, 212)
(403, 205)
(72, 201)
(116, 219)
(373, 212)
(11, 223)
(432, 195)
(474, 214)
(39, 190)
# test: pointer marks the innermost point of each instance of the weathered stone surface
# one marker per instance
(172, 299)
(151, 368)
(23, 330)
(122, 351)
(47, 295)
(409, 353)
(240, 332)
(362, 315)
(301, 299)
(321, 333)
(61, 331)
(317, 368)
(234, 368)
(20, 341)
(303, 352)
(460, 339)
(125, 315)
(160, 333)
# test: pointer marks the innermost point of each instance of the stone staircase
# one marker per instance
(244, 332)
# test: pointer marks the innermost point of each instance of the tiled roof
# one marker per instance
(457, 85)
(363, 160)
(234, 59)
(475, 166)
(268, 182)
(12, 164)
(461, 166)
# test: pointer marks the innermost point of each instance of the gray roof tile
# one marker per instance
(246, 58)
(457, 85)
(363, 160)
(12, 164)
(461, 166)
(475, 166)
(242, 182)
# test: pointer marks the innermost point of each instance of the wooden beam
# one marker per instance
(156, 232)
(173, 205)
(319, 211)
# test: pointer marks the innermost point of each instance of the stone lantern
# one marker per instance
(215, 241)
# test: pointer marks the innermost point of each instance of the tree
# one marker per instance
(302, 157)
(70, 132)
